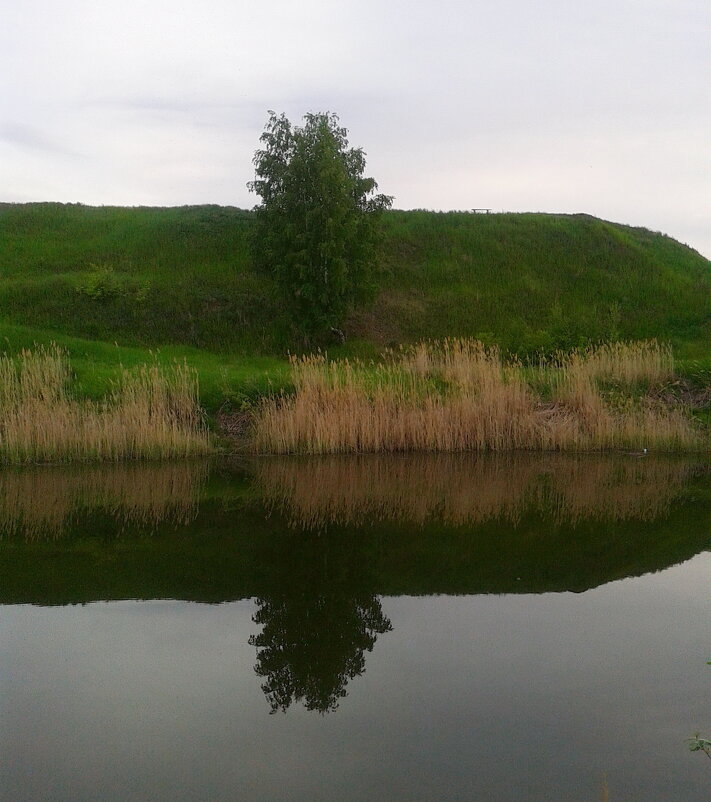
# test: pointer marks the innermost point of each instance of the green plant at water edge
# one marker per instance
(698, 744)
(317, 225)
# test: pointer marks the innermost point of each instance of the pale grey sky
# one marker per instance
(522, 105)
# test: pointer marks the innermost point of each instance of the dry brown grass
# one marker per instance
(42, 502)
(460, 396)
(151, 413)
(468, 489)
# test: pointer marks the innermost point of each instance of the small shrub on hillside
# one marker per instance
(103, 283)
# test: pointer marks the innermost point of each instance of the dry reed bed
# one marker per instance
(150, 413)
(458, 395)
(43, 502)
(460, 490)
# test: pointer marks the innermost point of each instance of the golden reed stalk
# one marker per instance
(460, 396)
(150, 413)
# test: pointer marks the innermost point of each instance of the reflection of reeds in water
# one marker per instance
(43, 502)
(151, 413)
(459, 396)
(460, 489)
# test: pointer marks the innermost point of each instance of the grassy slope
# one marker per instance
(223, 377)
(180, 279)
(139, 276)
(530, 281)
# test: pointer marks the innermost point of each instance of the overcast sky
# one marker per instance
(521, 105)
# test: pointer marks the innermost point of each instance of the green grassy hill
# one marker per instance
(540, 281)
(108, 283)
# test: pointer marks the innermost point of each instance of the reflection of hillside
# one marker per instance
(235, 544)
(469, 489)
(45, 502)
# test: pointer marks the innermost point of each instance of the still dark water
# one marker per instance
(405, 628)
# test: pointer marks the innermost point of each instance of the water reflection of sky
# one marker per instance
(327, 570)
(494, 697)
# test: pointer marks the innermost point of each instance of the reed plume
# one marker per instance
(458, 395)
(151, 412)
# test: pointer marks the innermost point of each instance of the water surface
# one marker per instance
(451, 627)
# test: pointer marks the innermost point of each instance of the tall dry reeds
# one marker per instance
(460, 396)
(151, 412)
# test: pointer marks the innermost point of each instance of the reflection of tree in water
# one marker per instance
(312, 644)
(318, 619)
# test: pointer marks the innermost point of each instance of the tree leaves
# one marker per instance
(317, 225)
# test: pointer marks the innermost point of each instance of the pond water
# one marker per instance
(402, 628)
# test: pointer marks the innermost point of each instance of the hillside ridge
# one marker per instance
(529, 282)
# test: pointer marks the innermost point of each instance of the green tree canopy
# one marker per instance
(317, 225)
